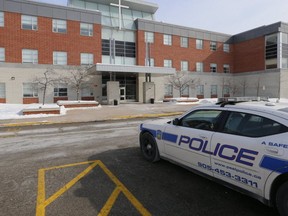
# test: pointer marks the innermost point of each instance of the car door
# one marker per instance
(188, 140)
(239, 150)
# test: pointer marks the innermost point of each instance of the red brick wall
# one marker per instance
(176, 53)
(14, 39)
(59, 98)
(249, 55)
(30, 100)
(2, 100)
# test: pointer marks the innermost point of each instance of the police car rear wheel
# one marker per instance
(149, 147)
(282, 199)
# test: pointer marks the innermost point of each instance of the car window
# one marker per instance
(201, 119)
(252, 125)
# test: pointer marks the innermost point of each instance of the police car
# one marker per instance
(243, 145)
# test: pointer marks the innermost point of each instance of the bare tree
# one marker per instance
(233, 88)
(180, 81)
(257, 85)
(244, 84)
(47, 79)
(77, 76)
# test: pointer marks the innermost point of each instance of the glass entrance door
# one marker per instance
(122, 93)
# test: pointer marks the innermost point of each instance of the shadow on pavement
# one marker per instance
(162, 188)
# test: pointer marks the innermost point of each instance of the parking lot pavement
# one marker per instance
(103, 113)
(121, 182)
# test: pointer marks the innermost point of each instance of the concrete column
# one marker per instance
(148, 91)
(113, 92)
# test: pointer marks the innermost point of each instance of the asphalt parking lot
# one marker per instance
(121, 182)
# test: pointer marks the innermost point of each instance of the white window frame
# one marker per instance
(59, 90)
(184, 66)
(185, 91)
(199, 44)
(200, 90)
(213, 45)
(2, 54)
(149, 37)
(86, 29)
(167, 39)
(167, 63)
(168, 90)
(87, 58)
(184, 42)
(30, 90)
(213, 67)
(59, 26)
(2, 90)
(226, 68)
(226, 90)
(59, 58)
(226, 47)
(199, 67)
(152, 62)
(2, 18)
(29, 22)
(30, 56)
(214, 90)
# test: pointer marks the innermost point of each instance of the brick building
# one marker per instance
(130, 56)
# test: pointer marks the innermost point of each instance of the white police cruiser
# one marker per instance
(243, 145)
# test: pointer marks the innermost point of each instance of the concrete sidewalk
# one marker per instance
(104, 113)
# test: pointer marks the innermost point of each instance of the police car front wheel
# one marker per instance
(149, 147)
(282, 199)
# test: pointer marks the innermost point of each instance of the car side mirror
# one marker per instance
(176, 121)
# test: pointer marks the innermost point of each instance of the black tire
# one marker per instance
(149, 147)
(282, 199)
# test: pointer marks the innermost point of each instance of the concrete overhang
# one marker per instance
(99, 68)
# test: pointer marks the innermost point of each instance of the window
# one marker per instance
(201, 119)
(59, 26)
(87, 90)
(244, 124)
(168, 90)
(184, 42)
(213, 68)
(29, 56)
(86, 29)
(226, 90)
(2, 54)
(185, 91)
(122, 48)
(61, 90)
(199, 44)
(167, 63)
(226, 68)
(149, 37)
(30, 90)
(29, 22)
(271, 52)
(213, 89)
(213, 45)
(87, 59)
(184, 65)
(226, 48)
(200, 90)
(151, 63)
(199, 66)
(167, 39)
(60, 58)
(1, 19)
(2, 90)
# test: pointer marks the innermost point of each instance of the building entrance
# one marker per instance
(127, 83)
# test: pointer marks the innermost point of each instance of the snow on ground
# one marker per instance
(14, 111)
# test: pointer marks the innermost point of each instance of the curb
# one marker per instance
(141, 116)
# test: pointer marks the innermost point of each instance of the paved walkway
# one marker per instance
(105, 112)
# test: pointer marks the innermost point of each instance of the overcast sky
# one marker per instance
(224, 16)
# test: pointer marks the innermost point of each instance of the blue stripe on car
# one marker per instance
(274, 164)
(169, 137)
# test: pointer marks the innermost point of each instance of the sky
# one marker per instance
(223, 16)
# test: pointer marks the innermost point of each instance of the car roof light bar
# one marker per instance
(233, 100)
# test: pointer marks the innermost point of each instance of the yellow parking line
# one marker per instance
(42, 202)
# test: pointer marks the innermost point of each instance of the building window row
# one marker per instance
(184, 42)
(2, 54)
(58, 25)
